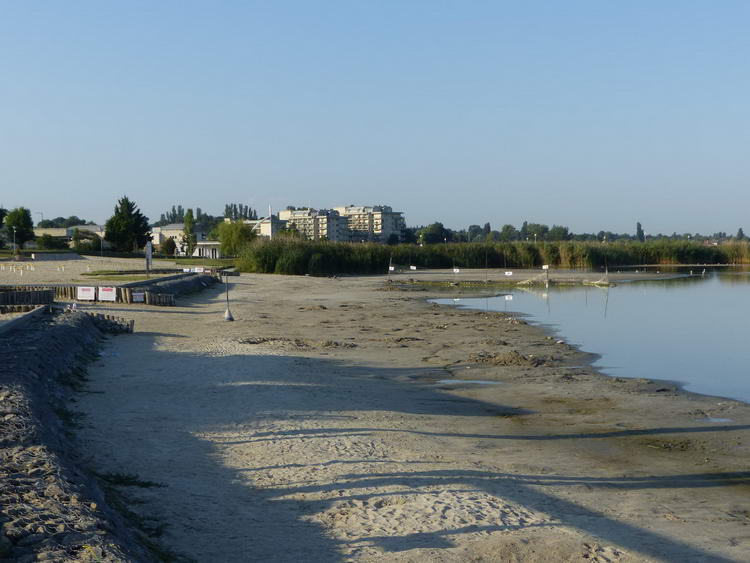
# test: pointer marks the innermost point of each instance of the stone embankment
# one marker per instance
(50, 509)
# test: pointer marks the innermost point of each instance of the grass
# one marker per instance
(214, 263)
(124, 278)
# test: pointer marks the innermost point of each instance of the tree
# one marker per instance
(76, 238)
(434, 233)
(188, 236)
(639, 234)
(508, 233)
(128, 228)
(169, 246)
(741, 234)
(233, 236)
(20, 220)
(3, 213)
(558, 232)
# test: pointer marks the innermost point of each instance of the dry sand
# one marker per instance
(319, 427)
(69, 271)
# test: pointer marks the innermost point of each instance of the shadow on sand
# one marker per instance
(236, 393)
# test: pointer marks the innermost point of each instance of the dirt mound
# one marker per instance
(49, 508)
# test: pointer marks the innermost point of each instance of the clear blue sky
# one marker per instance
(593, 114)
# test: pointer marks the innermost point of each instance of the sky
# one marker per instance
(591, 114)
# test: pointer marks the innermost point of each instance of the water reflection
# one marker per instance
(692, 329)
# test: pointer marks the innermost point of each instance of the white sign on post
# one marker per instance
(456, 270)
(508, 273)
(138, 296)
(412, 267)
(86, 293)
(509, 298)
(107, 294)
(391, 268)
(545, 267)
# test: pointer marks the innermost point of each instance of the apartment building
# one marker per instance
(373, 223)
(317, 224)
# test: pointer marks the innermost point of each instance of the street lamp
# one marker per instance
(227, 314)
(14, 240)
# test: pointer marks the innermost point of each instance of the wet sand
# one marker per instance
(329, 422)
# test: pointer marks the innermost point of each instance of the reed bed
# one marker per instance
(297, 257)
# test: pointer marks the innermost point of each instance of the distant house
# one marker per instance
(208, 249)
(159, 235)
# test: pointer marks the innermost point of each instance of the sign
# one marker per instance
(545, 267)
(107, 294)
(412, 267)
(508, 273)
(391, 268)
(456, 270)
(509, 298)
(86, 293)
(138, 296)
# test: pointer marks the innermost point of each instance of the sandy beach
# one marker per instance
(338, 419)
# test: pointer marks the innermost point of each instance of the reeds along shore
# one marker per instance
(296, 257)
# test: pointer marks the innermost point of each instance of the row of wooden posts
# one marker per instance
(27, 297)
(42, 295)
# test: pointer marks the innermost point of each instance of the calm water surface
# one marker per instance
(693, 331)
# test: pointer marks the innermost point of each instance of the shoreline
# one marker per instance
(319, 414)
(589, 358)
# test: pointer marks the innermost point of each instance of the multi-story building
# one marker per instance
(314, 224)
(265, 227)
(373, 223)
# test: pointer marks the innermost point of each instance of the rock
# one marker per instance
(54, 491)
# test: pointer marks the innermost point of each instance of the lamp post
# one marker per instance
(227, 314)
(14, 241)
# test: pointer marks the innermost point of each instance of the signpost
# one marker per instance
(149, 254)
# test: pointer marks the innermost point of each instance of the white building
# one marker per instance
(265, 227)
(159, 235)
(208, 249)
(314, 224)
(373, 223)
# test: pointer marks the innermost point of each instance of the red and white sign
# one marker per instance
(107, 294)
(86, 293)
(138, 296)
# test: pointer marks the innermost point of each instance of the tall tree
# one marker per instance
(233, 236)
(740, 234)
(128, 228)
(188, 234)
(639, 234)
(20, 220)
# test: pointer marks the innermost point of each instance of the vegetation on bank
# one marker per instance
(298, 257)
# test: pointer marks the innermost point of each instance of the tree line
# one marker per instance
(539, 232)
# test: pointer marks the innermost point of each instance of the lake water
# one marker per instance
(693, 331)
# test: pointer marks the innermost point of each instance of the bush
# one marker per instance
(320, 258)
